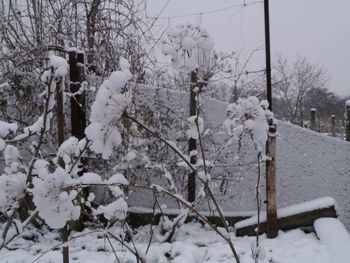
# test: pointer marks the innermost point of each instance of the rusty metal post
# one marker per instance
(313, 119)
(192, 143)
(272, 222)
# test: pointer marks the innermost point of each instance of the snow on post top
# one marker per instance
(347, 103)
(59, 65)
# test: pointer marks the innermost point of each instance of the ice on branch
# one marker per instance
(250, 116)
(111, 100)
(189, 47)
(51, 195)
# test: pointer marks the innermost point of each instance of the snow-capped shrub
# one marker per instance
(52, 198)
(250, 116)
(189, 47)
(111, 100)
(12, 189)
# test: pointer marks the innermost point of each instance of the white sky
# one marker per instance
(316, 29)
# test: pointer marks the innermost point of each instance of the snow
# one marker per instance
(90, 178)
(117, 179)
(334, 235)
(7, 128)
(188, 43)
(192, 132)
(192, 243)
(189, 47)
(59, 65)
(250, 116)
(108, 107)
(309, 165)
(347, 103)
(55, 205)
(117, 210)
(319, 203)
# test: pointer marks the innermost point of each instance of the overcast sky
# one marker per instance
(316, 29)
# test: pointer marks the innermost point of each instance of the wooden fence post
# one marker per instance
(313, 119)
(347, 120)
(60, 135)
(192, 143)
(333, 126)
(271, 222)
(76, 74)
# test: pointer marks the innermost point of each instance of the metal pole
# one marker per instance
(268, 54)
(271, 211)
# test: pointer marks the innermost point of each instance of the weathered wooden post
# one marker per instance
(347, 104)
(271, 222)
(60, 135)
(76, 74)
(333, 126)
(192, 143)
(313, 119)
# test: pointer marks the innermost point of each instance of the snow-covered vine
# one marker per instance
(111, 100)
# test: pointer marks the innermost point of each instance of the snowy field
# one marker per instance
(193, 243)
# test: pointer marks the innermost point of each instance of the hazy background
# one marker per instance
(316, 29)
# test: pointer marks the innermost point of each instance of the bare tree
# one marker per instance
(291, 82)
(104, 29)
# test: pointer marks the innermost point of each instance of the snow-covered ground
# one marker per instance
(193, 243)
(309, 165)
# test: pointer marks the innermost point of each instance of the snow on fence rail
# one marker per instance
(290, 217)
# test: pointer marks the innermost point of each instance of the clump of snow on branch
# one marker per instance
(117, 209)
(13, 181)
(70, 150)
(5, 130)
(114, 211)
(111, 100)
(189, 47)
(51, 195)
(250, 116)
(196, 125)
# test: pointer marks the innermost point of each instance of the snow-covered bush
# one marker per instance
(249, 116)
(54, 184)
(190, 48)
(111, 100)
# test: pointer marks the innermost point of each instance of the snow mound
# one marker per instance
(334, 235)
